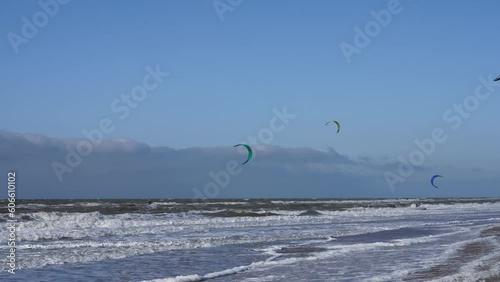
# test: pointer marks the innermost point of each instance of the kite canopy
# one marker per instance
(250, 152)
(497, 79)
(336, 122)
(434, 177)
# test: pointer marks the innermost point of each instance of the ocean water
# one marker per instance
(255, 240)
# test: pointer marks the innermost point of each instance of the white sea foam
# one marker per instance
(84, 237)
(472, 271)
(336, 250)
(469, 272)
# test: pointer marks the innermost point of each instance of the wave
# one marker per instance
(69, 237)
(180, 206)
(467, 260)
(318, 253)
(237, 213)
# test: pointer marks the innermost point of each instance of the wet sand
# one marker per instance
(495, 231)
(467, 254)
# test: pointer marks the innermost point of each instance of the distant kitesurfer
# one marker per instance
(336, 122)
(250, 152)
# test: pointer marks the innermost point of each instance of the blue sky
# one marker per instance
(227, 76)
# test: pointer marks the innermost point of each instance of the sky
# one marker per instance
(218, 72)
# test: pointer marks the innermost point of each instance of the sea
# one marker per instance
(253, 240)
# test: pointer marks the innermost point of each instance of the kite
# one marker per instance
(497, 79)
(432, 179)
(250, 152)
(336, 122)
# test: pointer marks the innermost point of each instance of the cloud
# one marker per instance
(37, 141)
(124, 168)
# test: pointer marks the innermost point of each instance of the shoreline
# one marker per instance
(473, 254)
